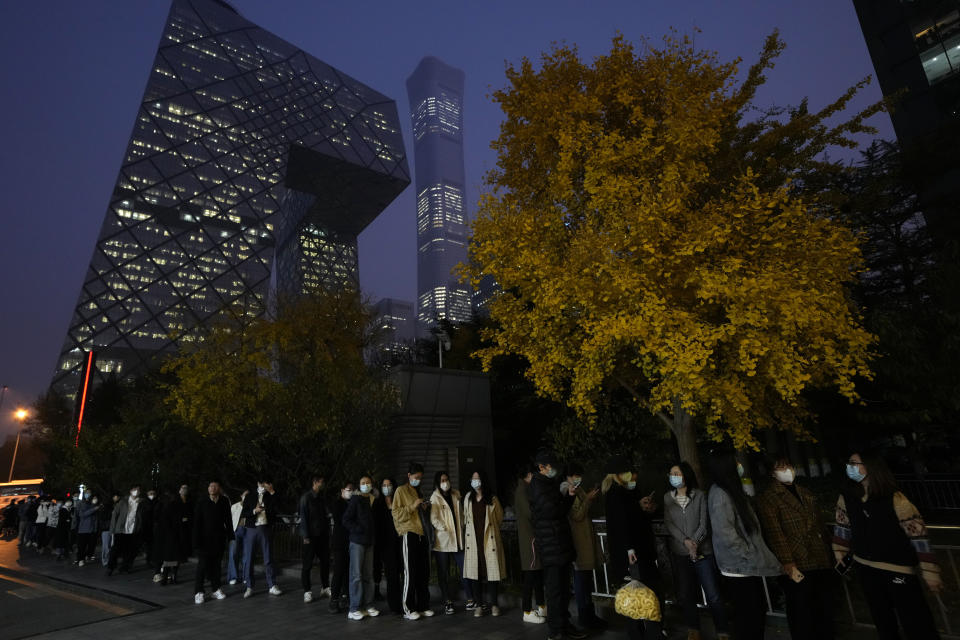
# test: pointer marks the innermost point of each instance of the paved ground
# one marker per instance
(43, 598)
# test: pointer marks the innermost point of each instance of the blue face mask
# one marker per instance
(676, 481)
(853, 472)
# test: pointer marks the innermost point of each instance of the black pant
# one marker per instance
(319, 548)
(125, 547)
(749, 607)
(492, 590)
(416, 577)
(392, 566)
(897, 595)
(532, 586)
(556, 580)
(85, 545)
(810, 604)
(208, 567)
(341, 573)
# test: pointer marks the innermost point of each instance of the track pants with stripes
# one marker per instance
(416, 573)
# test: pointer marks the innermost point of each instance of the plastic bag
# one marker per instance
(637, 601)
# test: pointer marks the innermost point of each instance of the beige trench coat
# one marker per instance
(492, 544)
(447, 523)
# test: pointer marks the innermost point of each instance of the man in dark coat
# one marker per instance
(315, 531)
(260, 513)
(553, 541)
(212, 530)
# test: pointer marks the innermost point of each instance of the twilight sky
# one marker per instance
(74, 73)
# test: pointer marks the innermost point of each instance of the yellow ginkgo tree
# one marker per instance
(651, 230)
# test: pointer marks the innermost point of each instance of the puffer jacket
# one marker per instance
(551, 528)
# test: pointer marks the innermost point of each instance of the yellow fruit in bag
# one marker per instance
(637, 601)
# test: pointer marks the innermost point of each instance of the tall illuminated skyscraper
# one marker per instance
(435, 92)
(251, 169)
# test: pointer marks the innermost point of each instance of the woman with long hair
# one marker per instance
(530, 565)
(483, 562)
(742, 556)
(446, 516)
(387, 559)
(694, 567)
(880, 531)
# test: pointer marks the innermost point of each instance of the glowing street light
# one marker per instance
(21, 416)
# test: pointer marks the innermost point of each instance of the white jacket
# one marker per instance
(447, 523)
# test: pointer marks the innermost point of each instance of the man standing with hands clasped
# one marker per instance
(259, 513)
(212, 529)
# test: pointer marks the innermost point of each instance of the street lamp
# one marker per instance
(21, 415)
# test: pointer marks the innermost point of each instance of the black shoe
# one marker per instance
(471, 605)
(448, 608)
(109, 572)
(574, 633)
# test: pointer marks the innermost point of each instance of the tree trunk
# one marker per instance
(683, 430)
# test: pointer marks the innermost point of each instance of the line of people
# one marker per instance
(721, 541)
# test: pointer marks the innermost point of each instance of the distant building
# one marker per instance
(435, 92)
(396, 324)
(251, 164)
(481, 296)
(915, 48)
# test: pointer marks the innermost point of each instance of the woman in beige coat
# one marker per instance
(483, 557)
(446, 516)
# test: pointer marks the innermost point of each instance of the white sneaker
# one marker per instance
(308, 596)
(373, 612)
(233, 582)
(80, 564)
(198, 599)
(325, 592)
(355, 615)
(495, 611)
(275, 590)
(413, 615)
(533, 617)
(542, 612)
(157, 577)
(219, 594)
(427, 613)
(248, 592)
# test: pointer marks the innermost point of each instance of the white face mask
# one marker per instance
(386, 489)
(261, 490)
(365, 488)
(414, 482)
(445, 486)
(95, 500)
(151, 496)
(183, 492)
(134, 493)
(347, 494)
(576, 481)
(632, 485)
(475, 483)
(785, 476)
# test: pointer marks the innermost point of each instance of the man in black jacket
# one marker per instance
(211, 531)
(553, 542)
(260, 513)
(315, 531)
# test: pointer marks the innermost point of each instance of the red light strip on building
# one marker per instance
(83, 398)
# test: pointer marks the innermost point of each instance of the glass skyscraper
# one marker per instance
(251, 169)
(435, 92)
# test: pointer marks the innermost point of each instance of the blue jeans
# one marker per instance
(106, 540)
(687, 577)
(361, 576)
(235, 556)
(264, 537)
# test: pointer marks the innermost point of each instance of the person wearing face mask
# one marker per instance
(387, 561)
(260, 513)
(585, 546)
(446, 516)
(408, 504)
(358, 521)
(630, 537)
(53, 520)
(212, 531)
(883, 534)
(87, 513)
(61, 537)
(235, 570)
(742, 555)
(106, 535)
(126, 525)
(553, 542)
(315, 535)
(694, 567)
(794, 531)
(176, 512)
(530, 564)
(151, 522)
(340, 547)
(483, 564)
